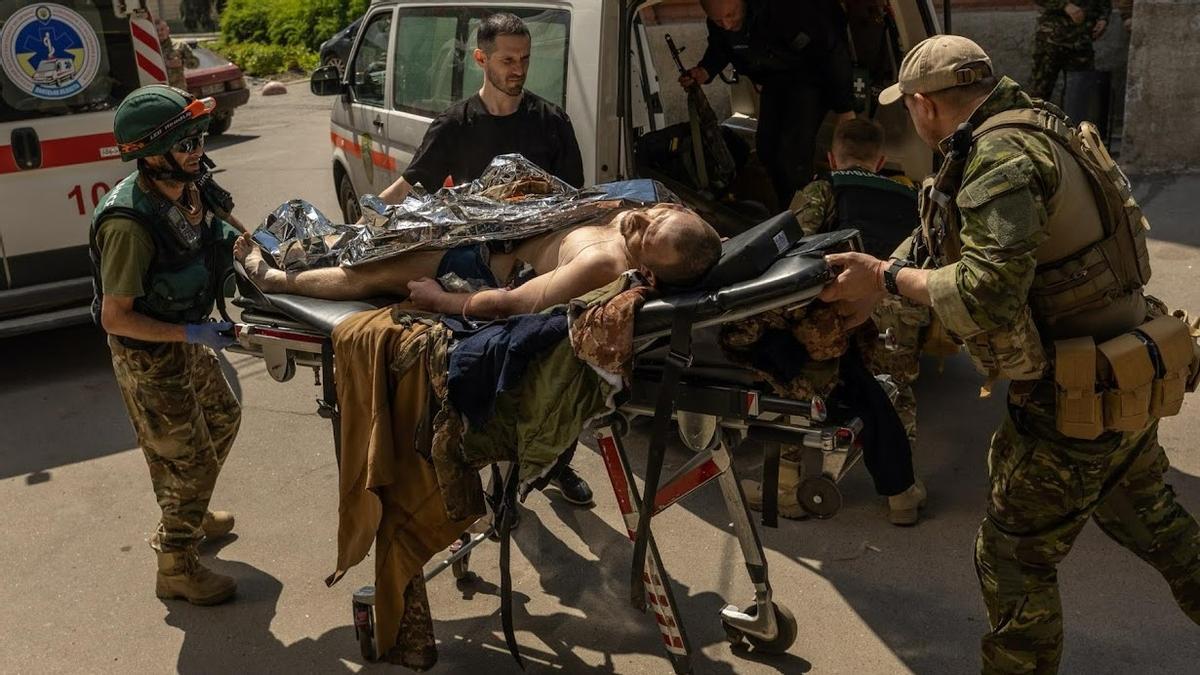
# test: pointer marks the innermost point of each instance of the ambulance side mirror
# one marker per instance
(326, 81)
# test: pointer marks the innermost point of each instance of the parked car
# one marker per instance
(593, 58)
(220, 79)
(336, 50)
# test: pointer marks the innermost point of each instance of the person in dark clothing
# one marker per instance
(796, 53)
(501, 118)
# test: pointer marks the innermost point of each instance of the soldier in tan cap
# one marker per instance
(1032, 253)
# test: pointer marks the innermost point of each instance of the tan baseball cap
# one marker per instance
(937, 63)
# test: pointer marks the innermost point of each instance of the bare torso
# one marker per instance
(550, 251)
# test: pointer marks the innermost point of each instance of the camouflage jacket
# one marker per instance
(178, 57)
(1008, 180)
(1055, 26)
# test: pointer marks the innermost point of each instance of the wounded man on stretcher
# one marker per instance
(668, 243)
(418, 415)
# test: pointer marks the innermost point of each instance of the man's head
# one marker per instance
(727, 14)
(673, 245)
(942, 81)
(857, 142)
(164, 31)
(503, 52)
(163, 129)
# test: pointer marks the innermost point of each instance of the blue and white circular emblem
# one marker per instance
(49, 51)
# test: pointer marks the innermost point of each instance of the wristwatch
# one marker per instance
(889, 275)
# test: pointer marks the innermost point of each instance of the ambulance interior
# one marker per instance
(879, 32)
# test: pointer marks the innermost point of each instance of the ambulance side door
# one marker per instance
(369, 79)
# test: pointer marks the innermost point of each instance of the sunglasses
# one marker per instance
(189, 145)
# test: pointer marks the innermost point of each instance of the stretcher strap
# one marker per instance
(507, 513)
(770, 484)
(678, 358)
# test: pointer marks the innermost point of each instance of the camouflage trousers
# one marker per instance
(1044, 489)
(185, 417)
(907, 321)
(1050, 59)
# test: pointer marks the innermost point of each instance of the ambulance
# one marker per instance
(65, 65)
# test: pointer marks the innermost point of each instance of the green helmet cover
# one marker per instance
(148, 110)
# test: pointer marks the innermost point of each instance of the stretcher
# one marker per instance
(718, 408)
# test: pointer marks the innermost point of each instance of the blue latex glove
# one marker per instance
(209, 333)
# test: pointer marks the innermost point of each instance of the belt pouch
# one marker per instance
(1176, 349)
(1078, 407)
(1127, 399)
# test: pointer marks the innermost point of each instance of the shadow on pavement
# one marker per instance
(60, 385)
(1168, 202)
(237, 637)
(595, 588)
(916, 587)
(227, 140)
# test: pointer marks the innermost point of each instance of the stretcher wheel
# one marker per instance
(820, 496)
(786, 635)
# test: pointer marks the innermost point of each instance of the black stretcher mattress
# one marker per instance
(800, 268)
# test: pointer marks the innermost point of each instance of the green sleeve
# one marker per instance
(813, 207)
(126, 252)
(1002, 205)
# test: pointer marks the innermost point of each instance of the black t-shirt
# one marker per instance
(462, 141)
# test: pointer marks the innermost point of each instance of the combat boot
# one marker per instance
(789, 481)
(904, 508)
(180, 575)
(217, 524)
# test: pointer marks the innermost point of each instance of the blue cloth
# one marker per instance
(470, 263)
(491, 358)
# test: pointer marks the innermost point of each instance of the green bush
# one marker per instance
(255, 58)
(287, 23)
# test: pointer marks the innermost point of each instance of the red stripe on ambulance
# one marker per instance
(66, 152)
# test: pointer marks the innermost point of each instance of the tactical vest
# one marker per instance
(882, 210)
(1094, 263)
(180, 284)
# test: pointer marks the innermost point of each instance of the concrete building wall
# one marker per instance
(1007, 36)
(1162, 132)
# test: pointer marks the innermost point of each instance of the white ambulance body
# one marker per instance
(65, 65)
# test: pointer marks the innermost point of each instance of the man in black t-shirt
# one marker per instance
(797, 54)
(501, 118)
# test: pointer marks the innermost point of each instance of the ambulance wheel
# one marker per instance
(349, 200)
(819, 496)
(785, 622)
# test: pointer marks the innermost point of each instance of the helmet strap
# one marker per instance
(174, 173)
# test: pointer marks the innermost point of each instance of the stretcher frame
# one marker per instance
(715, 421)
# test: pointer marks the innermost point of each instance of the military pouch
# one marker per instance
(1175, 350)
(1127, 398)
(1079, 413)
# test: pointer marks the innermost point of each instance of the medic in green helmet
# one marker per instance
(159, 251)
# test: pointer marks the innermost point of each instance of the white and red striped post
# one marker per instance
(152, 68)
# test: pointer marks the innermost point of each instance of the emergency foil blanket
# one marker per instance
(513, 200)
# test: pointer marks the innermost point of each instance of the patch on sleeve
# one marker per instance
(1012, 174)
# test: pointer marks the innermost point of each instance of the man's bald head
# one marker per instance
(728, 14)
(677, 247)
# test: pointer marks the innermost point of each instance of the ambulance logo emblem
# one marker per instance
(49, 51)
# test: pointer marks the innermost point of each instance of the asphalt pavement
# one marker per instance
(76, 511)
